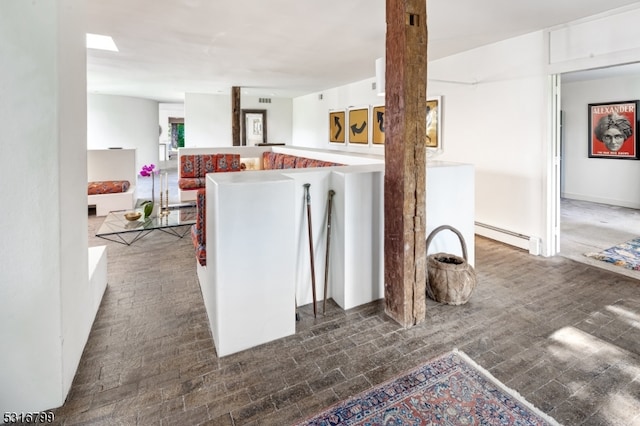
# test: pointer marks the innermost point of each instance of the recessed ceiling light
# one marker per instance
(101, 42)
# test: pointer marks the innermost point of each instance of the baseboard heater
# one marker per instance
(502, 231)
(513, 238)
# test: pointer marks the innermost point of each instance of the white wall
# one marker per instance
(126, 122)
(601, 180)
(311, 115)
(279, 116)
(605, 40)
(43, 279)
(496, 114)
(493, 116)
(611, 38)
(207, 120)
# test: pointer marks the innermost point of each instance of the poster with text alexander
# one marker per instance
(613, 130)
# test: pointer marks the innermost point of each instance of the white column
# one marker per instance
(43, 219)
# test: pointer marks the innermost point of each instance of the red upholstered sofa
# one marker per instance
(277, 160)
(193, 169)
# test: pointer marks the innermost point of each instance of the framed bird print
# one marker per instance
(359, 125)
(433, 137)
(337, 127)
(377, 124)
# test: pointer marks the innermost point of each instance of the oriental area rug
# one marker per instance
(448, 390)
(626, 255)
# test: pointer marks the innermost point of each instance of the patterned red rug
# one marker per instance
(449, 390)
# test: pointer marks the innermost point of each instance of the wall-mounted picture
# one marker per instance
(377, 119)
(613, 130)
(359, 125)
(337, 127)
(433, 138)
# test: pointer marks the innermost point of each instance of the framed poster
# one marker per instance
(612, 130)
(337, 126)
(359, 125)
(377, 119)
(433, 138)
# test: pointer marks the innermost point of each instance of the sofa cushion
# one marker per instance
(108, 187)
(227, 163)
(277, 160)
(302, 162)
(197, 166)
(268, 160)
(199, 230)
(289, 161)
(191, 183)
(201, 250)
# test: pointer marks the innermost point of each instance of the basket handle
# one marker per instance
(455, 231)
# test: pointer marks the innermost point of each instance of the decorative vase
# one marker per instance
(150, 209)
(155, 210)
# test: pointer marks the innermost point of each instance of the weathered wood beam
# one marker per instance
(405, 161)
(235, 115)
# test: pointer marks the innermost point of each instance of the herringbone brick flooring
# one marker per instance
(564, 334)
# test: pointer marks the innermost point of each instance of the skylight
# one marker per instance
(101, 42)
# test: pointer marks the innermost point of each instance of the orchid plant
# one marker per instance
(147, 171)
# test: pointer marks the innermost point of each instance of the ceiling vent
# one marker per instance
(264, 100)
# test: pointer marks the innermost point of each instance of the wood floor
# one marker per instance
(564, 334)
(593, 227)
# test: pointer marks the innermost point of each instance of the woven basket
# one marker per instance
(450, 278)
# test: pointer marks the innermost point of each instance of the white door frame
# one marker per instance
(552, 216)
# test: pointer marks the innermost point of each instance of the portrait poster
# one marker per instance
(358, 125)
(337, 127)
(433, 139)
(377, 136)
(613, 130)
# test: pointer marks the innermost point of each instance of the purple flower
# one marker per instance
(148, 170)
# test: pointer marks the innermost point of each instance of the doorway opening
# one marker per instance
(591, 220)
(254, 127)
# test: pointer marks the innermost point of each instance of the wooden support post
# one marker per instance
(235, 115)
(405, 161)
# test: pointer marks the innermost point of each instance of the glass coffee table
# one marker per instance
(177, 222)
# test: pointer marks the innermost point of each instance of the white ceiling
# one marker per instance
(286, 48)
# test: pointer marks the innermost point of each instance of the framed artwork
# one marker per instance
(433, 137)
(359, 125)
(613, 130)
(377, 119)
(337, 125)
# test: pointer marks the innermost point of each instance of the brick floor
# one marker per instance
(563, 334)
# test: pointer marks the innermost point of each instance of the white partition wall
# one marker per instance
(356, 264)
(249, 293)
(258, 252)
